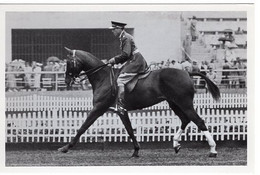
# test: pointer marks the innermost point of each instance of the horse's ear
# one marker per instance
(69, 50)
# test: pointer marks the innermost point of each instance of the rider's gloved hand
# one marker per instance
(111, 62)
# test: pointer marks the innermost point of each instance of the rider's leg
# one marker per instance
(122, 80)
(121, 96)
(120, 100)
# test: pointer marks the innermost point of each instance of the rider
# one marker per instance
(134, 61)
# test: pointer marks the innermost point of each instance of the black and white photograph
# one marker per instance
(128, 85)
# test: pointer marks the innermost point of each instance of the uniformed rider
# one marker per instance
(132, 59)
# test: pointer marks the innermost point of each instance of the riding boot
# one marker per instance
(121, 100)
(119, 105)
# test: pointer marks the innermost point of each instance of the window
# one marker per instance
(35, 45)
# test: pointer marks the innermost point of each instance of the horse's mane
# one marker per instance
(86, 54)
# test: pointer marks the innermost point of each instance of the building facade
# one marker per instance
(35, 36)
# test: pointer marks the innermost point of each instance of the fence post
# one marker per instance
(35, 102)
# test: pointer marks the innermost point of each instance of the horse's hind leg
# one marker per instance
(186, 114)
(127, 123)
(184, 122)
(194, 117)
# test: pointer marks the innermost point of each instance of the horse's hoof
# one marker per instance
(63, 149)
(214, 155)
(177, 148)
(135, 156)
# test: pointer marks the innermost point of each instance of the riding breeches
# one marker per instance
(125, 78)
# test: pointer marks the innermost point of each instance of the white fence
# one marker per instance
(39, 118)
(45, 103)
(61, 126)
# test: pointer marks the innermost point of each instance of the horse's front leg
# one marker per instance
(127, 123)
(92, 117)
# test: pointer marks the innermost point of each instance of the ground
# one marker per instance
(119, 155)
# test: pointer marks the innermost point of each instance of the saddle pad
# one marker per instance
(132, 83)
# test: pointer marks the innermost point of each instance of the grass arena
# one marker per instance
(230, 153)
(31, 143)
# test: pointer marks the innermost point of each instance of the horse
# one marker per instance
(173, 85)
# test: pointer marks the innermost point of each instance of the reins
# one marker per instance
(93, 70)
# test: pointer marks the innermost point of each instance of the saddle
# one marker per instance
(129, 87)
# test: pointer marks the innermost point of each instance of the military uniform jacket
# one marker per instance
(135, 62)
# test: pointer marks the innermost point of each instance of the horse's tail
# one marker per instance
(213, 89)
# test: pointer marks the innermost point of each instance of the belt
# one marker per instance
(135, 51)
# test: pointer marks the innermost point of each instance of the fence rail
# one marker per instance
(37, 102)
(61, 126)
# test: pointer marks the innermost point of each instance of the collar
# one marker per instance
(121, 34)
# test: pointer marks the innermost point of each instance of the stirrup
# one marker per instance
(112, 108)
(117, 108)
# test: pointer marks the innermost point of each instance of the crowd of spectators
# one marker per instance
(29, 75)
(230, 74)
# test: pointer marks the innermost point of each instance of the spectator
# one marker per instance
(241, 73)
(213, 52)
(211, 74)
(20, 77)
(233, 75)
(62, 68)
(167, 63)
(49, 68)
(212, 64)
(238, 31)
(225, 73)
(201, 39)
(28, 76)
(56, 66)
(218, 66)
(228, 37)
(204, 67)
(203, 70)
(10, 79)
(186, 65)
(153, 66)
(228, 34)
(245, 45)
(161, 65)
(193, 30)
(176, 65)
(195, 67)
(186, 47)
(37, 75)
(230, 54)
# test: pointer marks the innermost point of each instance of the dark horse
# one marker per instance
(174, 86)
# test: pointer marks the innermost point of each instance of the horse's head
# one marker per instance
(78, 61)
(73, 68)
